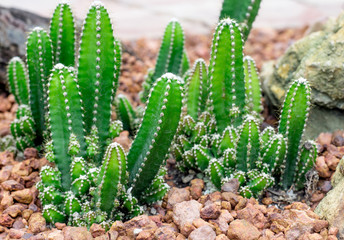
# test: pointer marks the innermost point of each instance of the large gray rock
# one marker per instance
(319, 58)
(14, 27)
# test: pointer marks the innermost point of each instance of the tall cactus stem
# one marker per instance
(18, 80)
(292, 124)
(226, 72)
(162, 114)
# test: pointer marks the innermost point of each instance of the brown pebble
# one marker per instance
(267, 201)
(12, 185)
(60, 226)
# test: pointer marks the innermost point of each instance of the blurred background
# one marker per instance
(134, 19)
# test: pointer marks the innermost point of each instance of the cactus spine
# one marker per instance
(227, 84)
(292, 123)
(162, 114)
(62, 34)
(98, 65)
(39, 61)
(18, 80)
(244, 12)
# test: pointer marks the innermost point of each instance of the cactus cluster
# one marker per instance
(68, 108)
(220, 131)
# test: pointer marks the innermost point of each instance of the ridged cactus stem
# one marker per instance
(292, 124)
(112, 177)
(62, 34)
(39, 61)
(252, 86)
(171, 51)
(226, 72)
(65, 118)
(244, 11)
(248, 145)
(98, 65)
(156, 133)
(197, 89)
(18, 80)
(308, 157)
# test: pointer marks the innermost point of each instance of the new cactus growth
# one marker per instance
(227, 86)
(62, 34)
(244, 12)
(171, 58)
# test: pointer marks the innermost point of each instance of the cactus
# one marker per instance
(252, 86)
(97, 71)
(126, 113)
(39, 61)
(171, 59)
(255, 158)
(227, 86)
(18, 80)
(244, 12)
(162, 114)
(292, 123)
(197, 89)
(62, 34)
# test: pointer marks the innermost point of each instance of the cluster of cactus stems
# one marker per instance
(220, 131)
(69, 106)
(95, 180)
(244, 12)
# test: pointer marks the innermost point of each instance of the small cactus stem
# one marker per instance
(62, 34)
(245, 192)
(293, 120)
(23, 110)
(199, 131)
(274, 153)
(65, 117)
(228, 139)
(53, 215)
(23, 127)
(227, 85)
(229, 158)
(77, 168)
(266, 135)
(252, 86)
(18, 80)
(201, 156)
(125, 112)
(112, 176)
(197, 89)
(98, 65)
(157, 189)
(156, 133)
(244, 12)
(23, 142)
(185, 63)
(72, 204)
(260, 182)
(116, 127)
(171, 51)
(216, 172)
(308, 157)
(40, 62)
(248, 145)
(50, 177)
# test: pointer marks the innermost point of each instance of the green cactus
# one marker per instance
(227, 86)
(40, 62)
(162, 114)
(18, 80)
(292, 124)
(252, 86)
(126, 113)
(62, 34)
(197, 89)
(171, 59)
(244, 12)
(97, 71)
